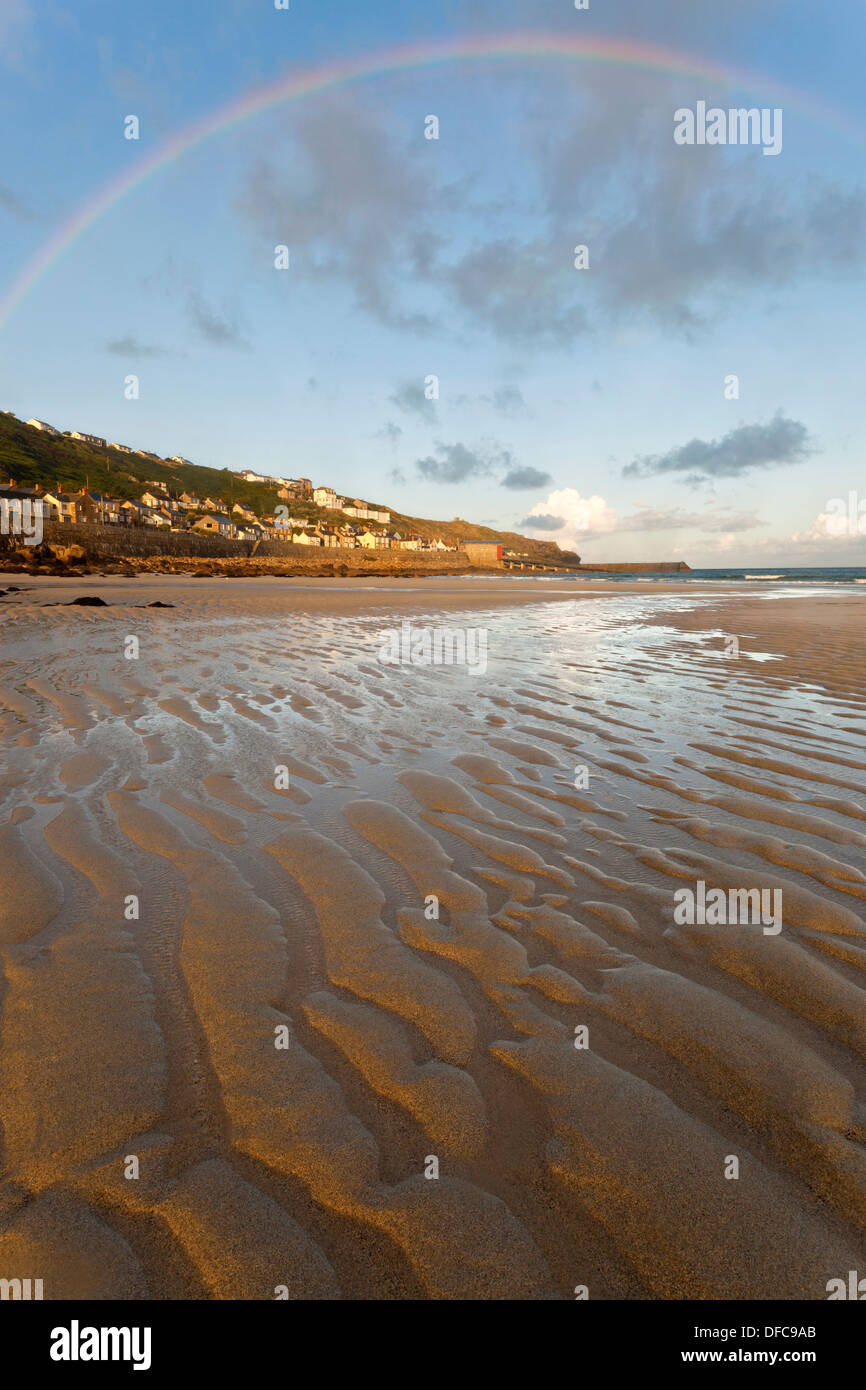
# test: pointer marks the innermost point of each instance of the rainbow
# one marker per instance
(298, 86)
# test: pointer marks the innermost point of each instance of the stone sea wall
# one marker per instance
(152, 548)
(128, 542)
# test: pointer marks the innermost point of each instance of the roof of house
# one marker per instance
(11, 489)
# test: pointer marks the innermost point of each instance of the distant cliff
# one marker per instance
(638, 567)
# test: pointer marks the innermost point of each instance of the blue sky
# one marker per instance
(588, 404)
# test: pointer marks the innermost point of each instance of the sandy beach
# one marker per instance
(324, 976)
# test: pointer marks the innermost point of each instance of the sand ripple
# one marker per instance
(379, 998)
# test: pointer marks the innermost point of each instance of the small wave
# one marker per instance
(764, 576)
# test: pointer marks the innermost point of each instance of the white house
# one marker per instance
(373, 540)
(64, 506)
(326, 497)
(363, 512)
(94, 439)
(41, 425)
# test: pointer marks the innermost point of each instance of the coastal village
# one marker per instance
(355, 523)
(68, 479)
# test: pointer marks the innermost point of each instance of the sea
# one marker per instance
(849, 574)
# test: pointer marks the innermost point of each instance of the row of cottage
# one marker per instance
(288, 489)
(96, 441)
(191, 513)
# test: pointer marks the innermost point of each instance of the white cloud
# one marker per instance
(581, 517)
(843, 523)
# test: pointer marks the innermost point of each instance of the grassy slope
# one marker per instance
(30, 457)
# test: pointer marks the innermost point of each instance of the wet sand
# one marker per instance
(285, 931)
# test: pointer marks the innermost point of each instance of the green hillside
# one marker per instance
(31, 456)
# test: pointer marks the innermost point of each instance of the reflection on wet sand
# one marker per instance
(312, 938)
